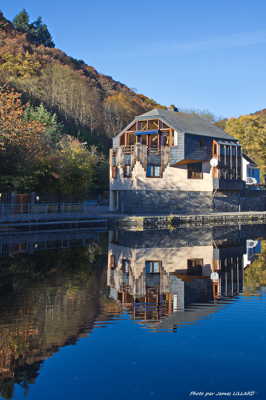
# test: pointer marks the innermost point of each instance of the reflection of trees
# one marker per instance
(47, 300)
(255, 273)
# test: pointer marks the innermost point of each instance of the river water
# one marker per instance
(133, 315)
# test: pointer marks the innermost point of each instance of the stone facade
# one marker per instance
(164, 201)
(246, 200)
(145, 202)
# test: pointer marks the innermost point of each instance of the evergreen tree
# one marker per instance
(53, 128)
(21, 21)
(37, 32)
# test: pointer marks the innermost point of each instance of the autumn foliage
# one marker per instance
(251, 132)
(14, 130)
(90, 104)
(33, 157)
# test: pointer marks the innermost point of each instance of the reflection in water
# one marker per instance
(162, 280)
(56, 287)
(48, 300)
(255, 268)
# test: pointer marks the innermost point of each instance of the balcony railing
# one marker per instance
(128, 155)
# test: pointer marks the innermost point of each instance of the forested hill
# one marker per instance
(250, 130)
(91, 105)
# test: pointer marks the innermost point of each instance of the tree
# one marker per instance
(53, 128)
(22, 21)
(22, 143)
(21, 65)
(250, 130)
(206, 114)
(14, 130)
(37, 32)
(78, 169)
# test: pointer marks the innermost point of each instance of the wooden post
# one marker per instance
(170, 138)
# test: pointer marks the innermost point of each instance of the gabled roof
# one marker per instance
(186, 123)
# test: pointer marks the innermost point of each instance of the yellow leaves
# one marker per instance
(20, 65)
(250, 130)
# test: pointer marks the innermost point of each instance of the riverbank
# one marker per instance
(174, 221)
(99, 217)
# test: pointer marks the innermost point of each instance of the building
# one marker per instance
(156, 274)
(170, 162)
(250, 171)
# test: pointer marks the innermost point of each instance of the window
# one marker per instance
(152, 267)
(153, 171)
(194, 171)
(154, 140)
(127, 171)
(194, 266)
(125, 265)
(131, 139)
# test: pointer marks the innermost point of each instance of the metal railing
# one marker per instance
(42, 208)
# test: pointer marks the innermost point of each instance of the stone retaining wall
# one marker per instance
(136, 202)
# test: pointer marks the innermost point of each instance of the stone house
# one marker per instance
(164, 270)
(167, 161)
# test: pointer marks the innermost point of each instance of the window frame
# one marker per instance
(195, 266)
(194, 174)
(152, 262)
(153, 168)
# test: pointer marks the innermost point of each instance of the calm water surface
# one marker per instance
(133, 315)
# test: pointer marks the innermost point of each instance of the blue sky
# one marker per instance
(196, 54)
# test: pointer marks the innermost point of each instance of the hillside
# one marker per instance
(90, 105)
(250, 130)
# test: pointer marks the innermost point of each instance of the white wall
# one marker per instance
(174, 178)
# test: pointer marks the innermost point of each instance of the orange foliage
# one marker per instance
(14, 130)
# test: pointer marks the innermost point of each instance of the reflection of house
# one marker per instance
(157, 281)
(162, 159)
(250, 171)
(252, 250)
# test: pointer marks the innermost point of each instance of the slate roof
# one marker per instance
(186, 123)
